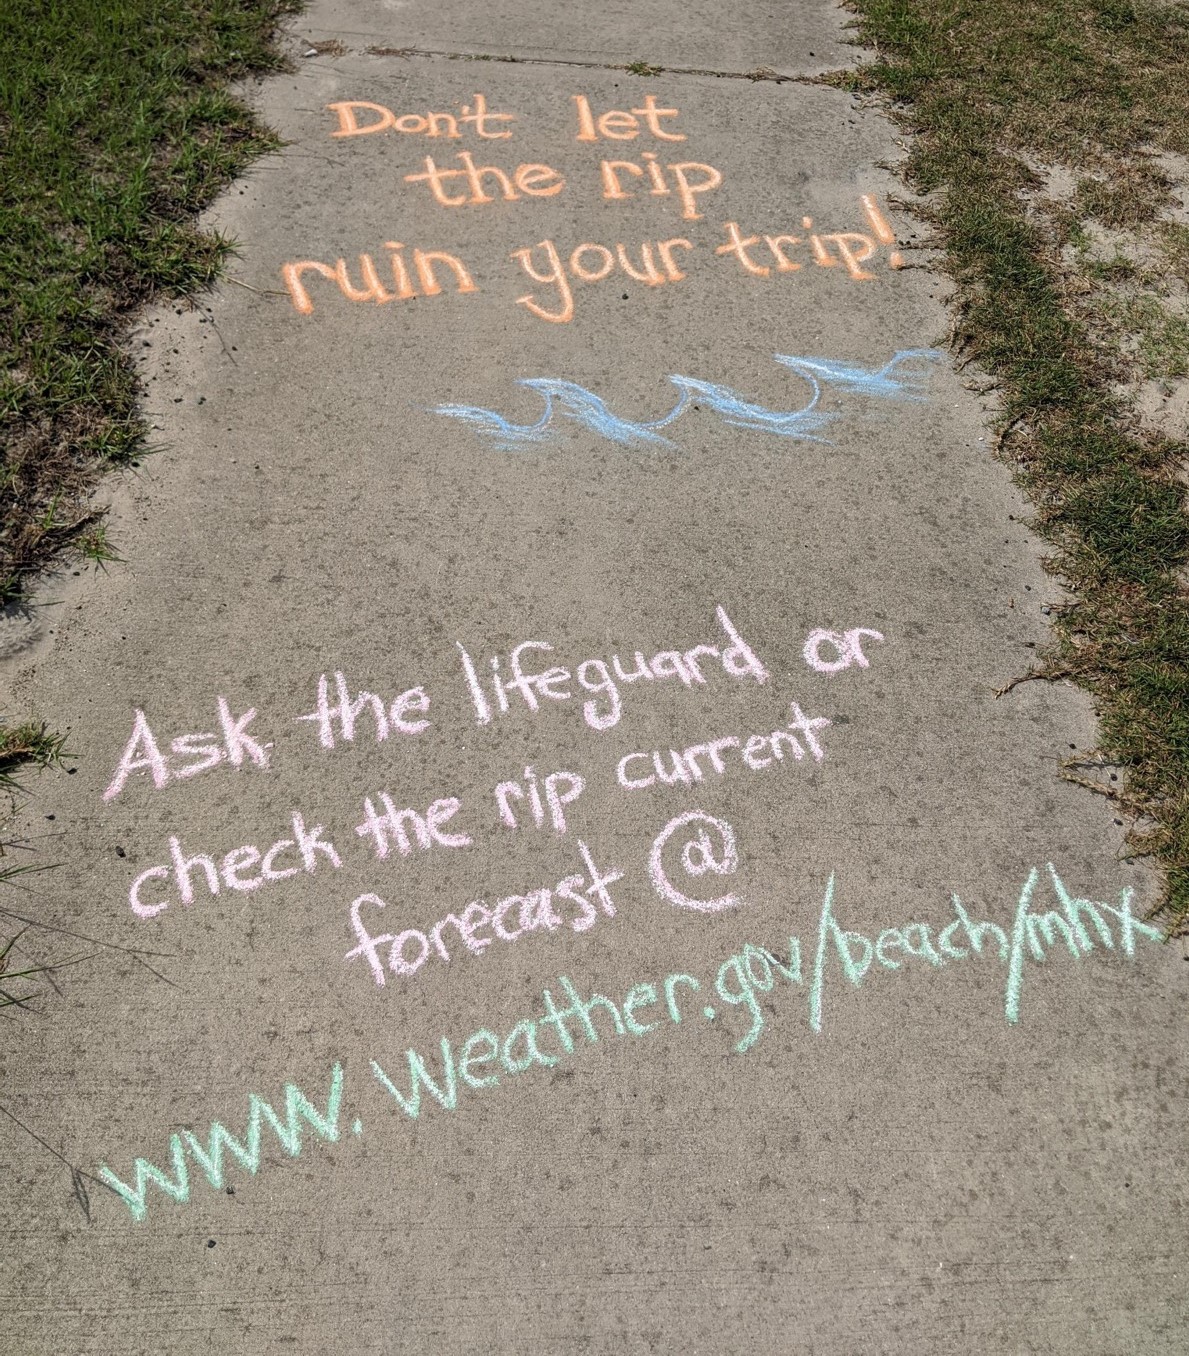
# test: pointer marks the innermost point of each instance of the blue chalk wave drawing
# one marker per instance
(566, 400)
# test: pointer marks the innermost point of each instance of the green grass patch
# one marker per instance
(1096, 86)
(116, 126)
(31, 742)
(1159, 340)
(1174, 240)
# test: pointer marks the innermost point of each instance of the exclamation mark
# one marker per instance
(884, 233)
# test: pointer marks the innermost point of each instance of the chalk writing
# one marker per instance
(617, 125)
(565, 400)
(372, 289)
(232, 745)
(237, 870)
(549, 264)
(846, 645)
(339, 717)
(605, 706)
(529, 800)
(510, 919)
(852, 249)
(390, 827)
(697, 858)
(758, 751)
(431, 124)
(680, 184)
(535, 181)
(687, 187)
(561, 789)
(210, 1156)
(1031, 933)
(1075, 929)
(559, 310)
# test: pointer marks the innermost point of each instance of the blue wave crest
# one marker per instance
(567, 401)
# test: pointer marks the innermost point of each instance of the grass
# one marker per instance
(994, 91)
(116, 127)
(14, 984)
(22, 745)
(1159, 340)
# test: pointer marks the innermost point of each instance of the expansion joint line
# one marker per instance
(760, 74)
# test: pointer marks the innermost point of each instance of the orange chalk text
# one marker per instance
(617, 125)
(537, 181)
(654, 266)
(377, 118)
(686, 184)
(851, 250)
(427, 267)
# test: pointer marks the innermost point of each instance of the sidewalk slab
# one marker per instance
(800, 39)
(885, 1062)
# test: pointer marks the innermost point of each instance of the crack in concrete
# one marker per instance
(641, 68)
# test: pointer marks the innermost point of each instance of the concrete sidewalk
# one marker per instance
(577, 570)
